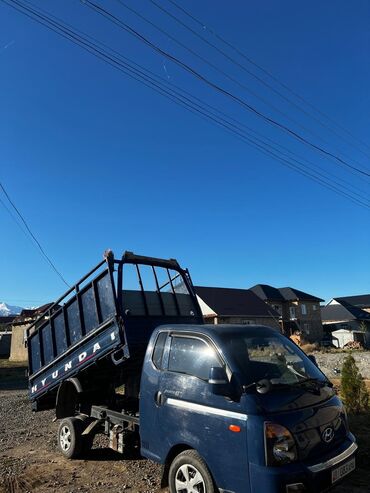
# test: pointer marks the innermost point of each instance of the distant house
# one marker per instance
(6, 321)
(271, 296)
(298, 310)
(360, 301)
(339, 314)
(5, 335)
(235, 306)
(18, 351)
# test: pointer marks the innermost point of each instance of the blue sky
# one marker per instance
(95, 160)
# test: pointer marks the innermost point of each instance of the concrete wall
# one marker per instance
(17, 350)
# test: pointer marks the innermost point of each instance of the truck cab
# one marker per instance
(242, 405)
(224, 408)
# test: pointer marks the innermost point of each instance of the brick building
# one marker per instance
(298, 310)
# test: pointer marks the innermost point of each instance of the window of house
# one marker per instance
(307, 328)
(292, 312)
(193, 357)
(304, 309)
(314, 307)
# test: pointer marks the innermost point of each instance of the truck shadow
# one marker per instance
(13, 378)
(107, 454)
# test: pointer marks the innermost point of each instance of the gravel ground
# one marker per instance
(30, 462)
(331, 362)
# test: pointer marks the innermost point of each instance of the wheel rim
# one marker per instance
(65, 438)
(189, 480)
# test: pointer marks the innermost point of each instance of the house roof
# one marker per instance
(342, 312)
(235, 302)
(361, 300)
(7, 319)
(267, 292)
(292, 294)
(33, 313)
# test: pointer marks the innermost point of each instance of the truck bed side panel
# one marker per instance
(75, 360)
(80, 328)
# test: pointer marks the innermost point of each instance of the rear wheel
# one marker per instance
(189, 474)
(70, 440)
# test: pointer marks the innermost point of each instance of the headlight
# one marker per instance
(280, 447)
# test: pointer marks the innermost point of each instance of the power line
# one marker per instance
(191, 106)
(14, 217)
(72, 37)
(100, 10)
(167, 34)
(88, 49)
(166, 82)
(215, 67)
(242, 54)
(44, 254)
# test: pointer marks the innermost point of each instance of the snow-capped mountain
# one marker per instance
(7, 310)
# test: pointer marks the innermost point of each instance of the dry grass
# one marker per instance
(336, 382)
(309, 348)
(5, 363)
(12, 375)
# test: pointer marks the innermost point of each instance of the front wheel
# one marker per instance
(189, 474)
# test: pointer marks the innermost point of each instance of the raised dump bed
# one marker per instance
(103, 323)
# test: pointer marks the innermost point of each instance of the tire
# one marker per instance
(70, 441)
(189, 473)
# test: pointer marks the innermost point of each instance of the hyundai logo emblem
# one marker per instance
(328, 435)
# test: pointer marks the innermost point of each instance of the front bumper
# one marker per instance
(314, 477)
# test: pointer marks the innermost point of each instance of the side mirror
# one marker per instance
(263, 386)
(313, 359)
(218, 381)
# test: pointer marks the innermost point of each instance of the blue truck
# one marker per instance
(224, 408)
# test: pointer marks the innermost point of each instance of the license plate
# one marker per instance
(343, 470)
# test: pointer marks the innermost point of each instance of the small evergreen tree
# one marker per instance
(363, 327)
(353, 388)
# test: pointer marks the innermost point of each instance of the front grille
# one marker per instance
(311, 443)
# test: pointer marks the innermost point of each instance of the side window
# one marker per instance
(192, 357)
(158, 349)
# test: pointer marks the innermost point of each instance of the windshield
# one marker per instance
(269, 356)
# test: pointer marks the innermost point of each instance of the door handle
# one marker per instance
(159, 398)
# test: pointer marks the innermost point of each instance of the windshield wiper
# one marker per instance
(305, 379)
(316, 383)
(262, 386)
(322, 383)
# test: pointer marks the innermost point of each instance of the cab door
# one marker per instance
(189, 414)
(151, 395)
